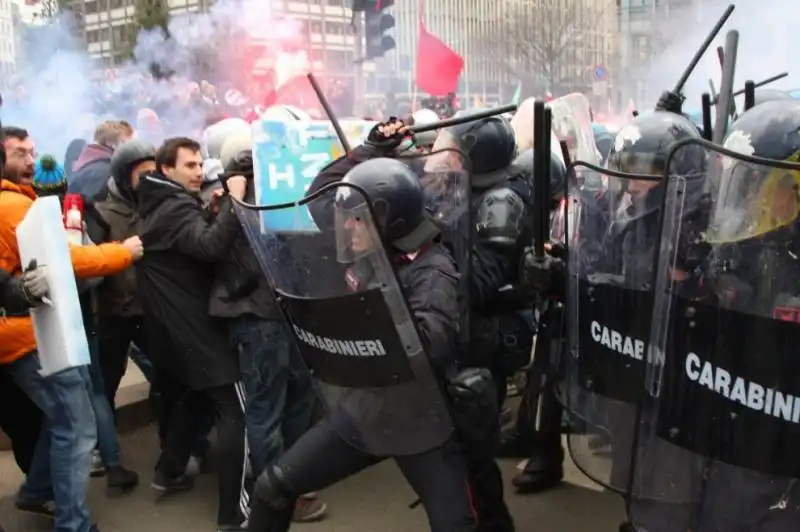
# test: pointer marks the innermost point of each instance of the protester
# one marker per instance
(91, 170)
(62, 459)
(194, 362)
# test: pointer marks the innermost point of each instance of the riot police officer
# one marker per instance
(611, 257)
(428, 277)
(537, 434)
(502, 217)
(737, 321)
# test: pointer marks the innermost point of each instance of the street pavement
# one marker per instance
(377, 500)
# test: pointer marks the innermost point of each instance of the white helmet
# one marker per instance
(285, 113)
(214, 135)
(425, 139)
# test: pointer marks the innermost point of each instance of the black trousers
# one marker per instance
(320, 458)
(115, 335)
(227, 403)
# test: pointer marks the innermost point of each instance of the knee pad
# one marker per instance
(271, 488)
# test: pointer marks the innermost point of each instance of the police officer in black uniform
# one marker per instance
(429, 279)
(501, 198)
(750, 273)
(537, 433)
(619, 231)
(503, 208)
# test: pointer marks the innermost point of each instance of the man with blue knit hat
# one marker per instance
(49, 178)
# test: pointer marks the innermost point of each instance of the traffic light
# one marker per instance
(376, 23)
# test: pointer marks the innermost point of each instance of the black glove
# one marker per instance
(28, 291)
(379, 139)
(475, 408)
(558, 250)
(671, 102)
(241, 164)
(540, 273)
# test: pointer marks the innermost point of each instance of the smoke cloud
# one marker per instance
(765, 44)
(58, 97)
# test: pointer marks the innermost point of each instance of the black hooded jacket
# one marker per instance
(183, 243)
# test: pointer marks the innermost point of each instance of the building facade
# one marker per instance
(641, 37)
(9, 15)
(488, 35)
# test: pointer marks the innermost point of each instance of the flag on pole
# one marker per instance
(439, 67)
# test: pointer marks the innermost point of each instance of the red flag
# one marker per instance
(438, 66)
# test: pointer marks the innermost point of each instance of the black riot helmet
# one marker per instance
(643, 145)
(753, 199)
(769, 131)
(488, 143)
(558, 173)
(398, 204)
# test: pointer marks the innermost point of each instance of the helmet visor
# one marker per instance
(751, 199)
(356, 234)
(636, 163)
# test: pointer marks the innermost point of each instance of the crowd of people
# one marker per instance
(169, 278)
(216, 354)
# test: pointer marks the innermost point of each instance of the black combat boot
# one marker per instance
(264, 518)
(544, 470)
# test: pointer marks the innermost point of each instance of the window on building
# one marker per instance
(316, 26)
(91, 7)
(338, 28)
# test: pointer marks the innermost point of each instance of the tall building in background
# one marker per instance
(487, 34)
(640, 39)
(8, 41)
(504, 43)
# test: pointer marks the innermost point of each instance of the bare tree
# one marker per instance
(49, 10)
(542, 44)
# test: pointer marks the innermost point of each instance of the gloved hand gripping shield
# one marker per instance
(341, 299)
(718, 433)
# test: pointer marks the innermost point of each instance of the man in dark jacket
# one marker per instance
(280, 396)
(192, 353)
(119, 309)
(91, 171)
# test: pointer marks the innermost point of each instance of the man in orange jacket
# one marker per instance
(59, 471)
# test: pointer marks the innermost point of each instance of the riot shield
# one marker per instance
(341, 299)
(718, 439)
(572, 123)
(444, 175)
(611, 250)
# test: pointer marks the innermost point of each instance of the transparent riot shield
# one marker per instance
(572, 123)
(351, 323)
(444, 176)
(611, 249)
(718, 440)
